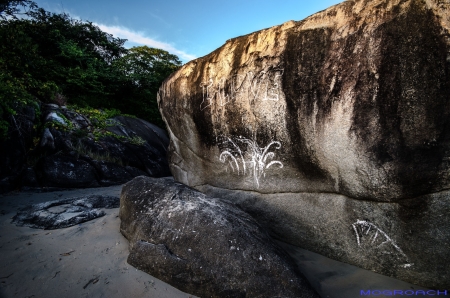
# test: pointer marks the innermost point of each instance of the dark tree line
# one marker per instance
(50, 57)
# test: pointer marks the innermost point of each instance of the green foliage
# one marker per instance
(83, 150)
(12, 97)
(100, 120)
(79, 133)
(98, 117)
(145, 69)
(51, 57)
(10, 8)
(72, 57)
(136, 140)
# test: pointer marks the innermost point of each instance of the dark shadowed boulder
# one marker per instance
(73, 152)
(134, 172)
(66, 172)
(329, 130)
(152, 134)
(152, 155)
(203, 245)
(29, 178)
(64, 213)
(111, 173)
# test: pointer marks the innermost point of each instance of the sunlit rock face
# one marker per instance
(351, 103)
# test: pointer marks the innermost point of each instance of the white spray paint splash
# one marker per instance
(254, 160)
(376, 238)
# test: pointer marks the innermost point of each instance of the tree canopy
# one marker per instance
(10, 8)
(48, 57)
(145, 69)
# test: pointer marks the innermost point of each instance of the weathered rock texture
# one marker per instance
(64, 213)
(353, 103)
(203, 245)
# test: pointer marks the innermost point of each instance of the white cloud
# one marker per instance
(139, 38)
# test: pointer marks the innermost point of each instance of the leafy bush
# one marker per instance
(100, 120)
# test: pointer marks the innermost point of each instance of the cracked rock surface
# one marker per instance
(203, 245)
(64, 213)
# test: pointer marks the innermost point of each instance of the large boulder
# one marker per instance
(203, 245)
(332, 131)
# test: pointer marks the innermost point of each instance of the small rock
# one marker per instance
(55, 117)
(64, 213)
(47, 140)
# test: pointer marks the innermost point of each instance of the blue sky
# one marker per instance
(188, 29)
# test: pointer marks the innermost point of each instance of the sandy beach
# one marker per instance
(89, 259)
(86, 260)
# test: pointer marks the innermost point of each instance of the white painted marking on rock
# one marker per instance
(365, 227)
(258, 158)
